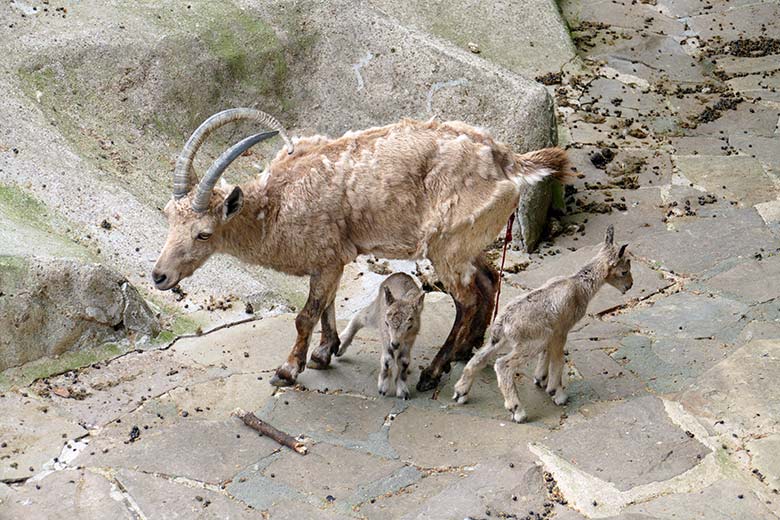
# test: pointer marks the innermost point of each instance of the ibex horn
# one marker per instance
(183, 175)
(201, 201)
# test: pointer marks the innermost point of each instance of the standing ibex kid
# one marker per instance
(396, 313)
(537, 323)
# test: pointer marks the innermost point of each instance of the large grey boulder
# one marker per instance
(125, 83)
(528, 37)
(52, 306)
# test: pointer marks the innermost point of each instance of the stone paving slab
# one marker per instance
(454, 441)
(295, 510)
(344, 420)
(601, 378)
(32, 433)
(699, 245)
(257, 346)
(643, 215)
(724, 500)
(67, 495)
(639, 16)
(765, 460)
(215, 399)
(765, 149)
(642, 443)
(735, 391)
(391, 506)
(330, 471)
(736, 22)
(698, 145)
(510, 485)
(739, 178)
(163, 498)
(747, 282)
(685, 8)
(688, 316)
(205, 451)
(747, 118)
(669, 364)
(101, 393)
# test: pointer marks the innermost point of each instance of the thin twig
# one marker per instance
(269, 431)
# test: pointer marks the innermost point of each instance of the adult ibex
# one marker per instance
(413, 189)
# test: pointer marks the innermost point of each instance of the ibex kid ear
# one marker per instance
(609, 236)
(622, 250)
(233, 204)
(420, 300)
(389, 296)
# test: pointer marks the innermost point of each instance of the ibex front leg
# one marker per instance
(322, 291)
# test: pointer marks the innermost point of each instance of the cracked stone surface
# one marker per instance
(670, 114)
(642, 443)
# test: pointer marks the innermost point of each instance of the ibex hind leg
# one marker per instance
(485, 286)
(329, 339)
(557, 364)
(481, 358)
(464, 330)
(355, 324)
(506, 366)
(540, 373)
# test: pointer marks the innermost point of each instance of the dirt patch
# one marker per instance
(711, 113)
(751, 47)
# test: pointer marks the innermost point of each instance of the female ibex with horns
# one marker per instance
(413, 189)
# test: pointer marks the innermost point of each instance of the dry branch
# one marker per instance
(269, 431)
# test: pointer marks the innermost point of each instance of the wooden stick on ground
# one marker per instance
(269, 431)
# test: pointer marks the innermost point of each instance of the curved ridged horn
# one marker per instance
(201, 201)
(184, 175)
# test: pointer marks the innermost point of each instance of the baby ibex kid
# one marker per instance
(396, 313)
(536, 324)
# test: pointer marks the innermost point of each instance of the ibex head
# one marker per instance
(198, 213)
(619, 265)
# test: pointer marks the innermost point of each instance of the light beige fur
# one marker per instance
(395, 312)
(537, 323)
(412, 189)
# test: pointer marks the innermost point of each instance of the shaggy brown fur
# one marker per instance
(413, 189)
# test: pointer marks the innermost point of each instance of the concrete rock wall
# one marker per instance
(50, 306)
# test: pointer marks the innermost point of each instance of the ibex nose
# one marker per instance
(395, 344)
(158, 277)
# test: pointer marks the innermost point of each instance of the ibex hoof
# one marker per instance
(539, 381)
(278, 380)
(427, 382)
(460, 398)
(317, 364)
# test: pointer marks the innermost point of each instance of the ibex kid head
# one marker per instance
(619, 273)
(402, 317)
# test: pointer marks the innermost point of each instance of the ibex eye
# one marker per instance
(204, 236)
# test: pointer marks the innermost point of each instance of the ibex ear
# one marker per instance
(389, 297)
(622, 250)
(233, 204)
(420, 300)
(609, 236)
